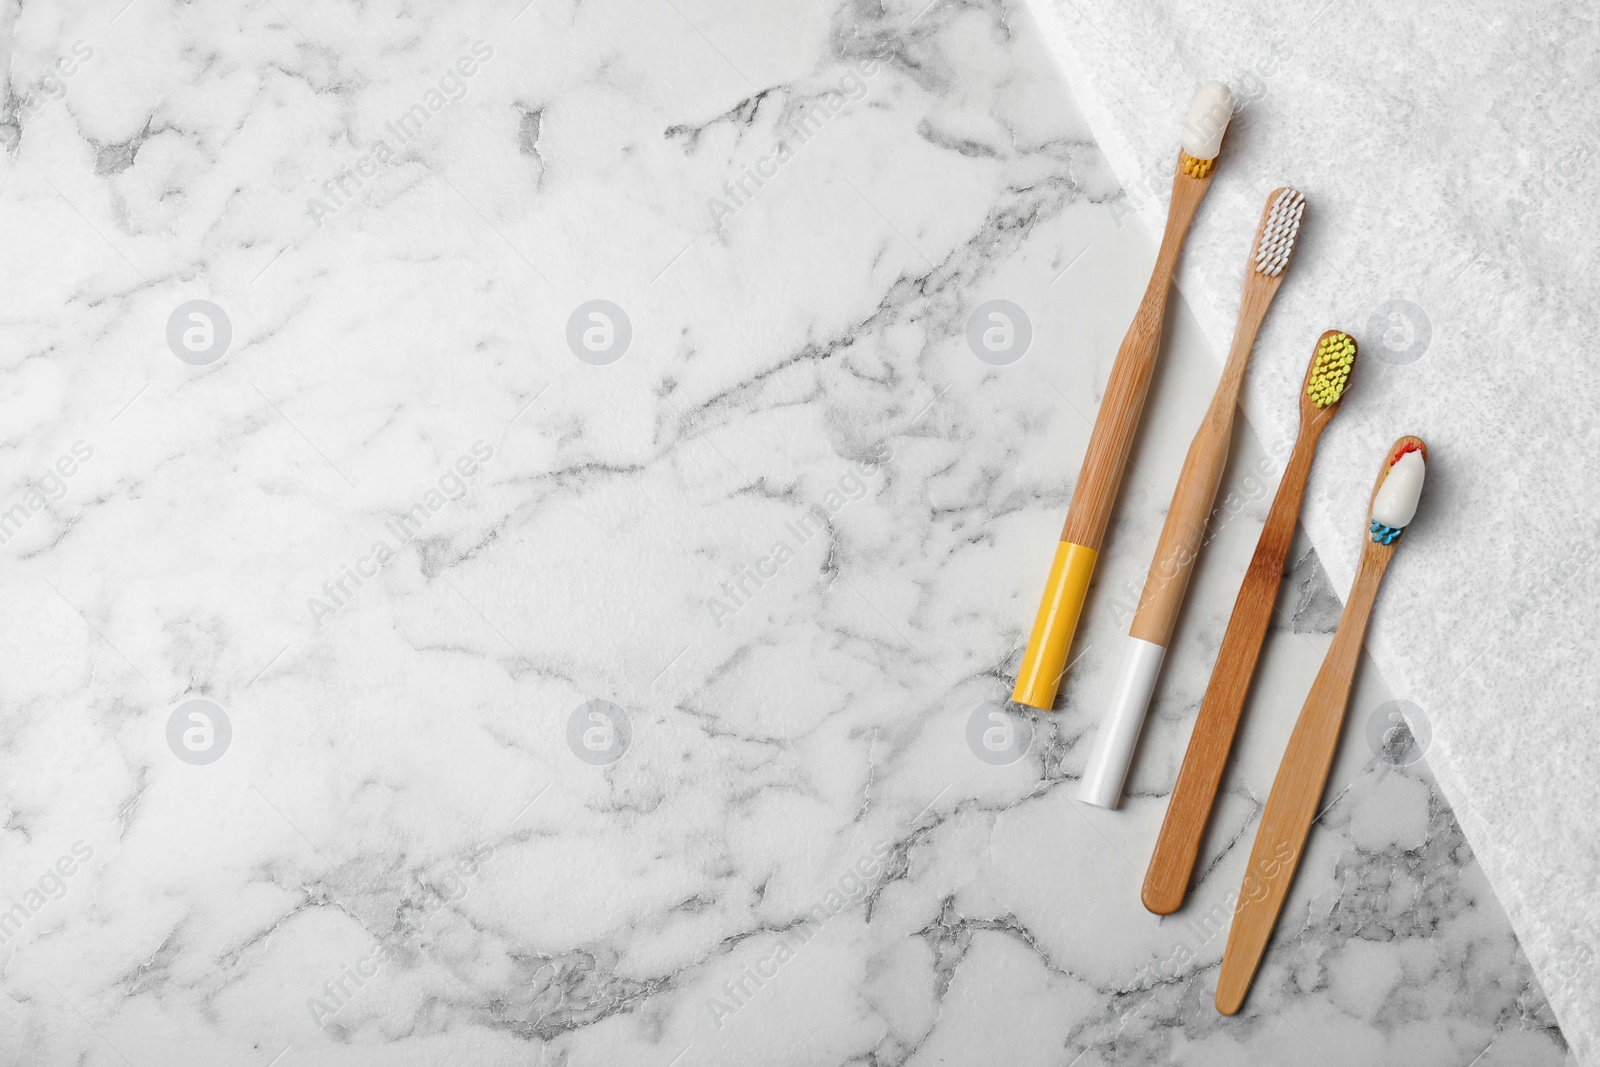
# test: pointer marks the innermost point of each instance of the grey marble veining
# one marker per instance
(513, 551)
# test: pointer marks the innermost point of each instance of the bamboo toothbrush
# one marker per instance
(1184, 529)
(1192, 797)
(1095, 493)
(1304, 771)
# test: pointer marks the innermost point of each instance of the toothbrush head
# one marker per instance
(1280, 225)
(1203, 129)
(1399, 488)
(1330, 368)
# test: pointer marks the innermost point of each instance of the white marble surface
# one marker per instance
(405, 796)
(1447, 155)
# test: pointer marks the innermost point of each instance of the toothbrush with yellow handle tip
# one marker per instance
(1303, 775)
(1095, 493)
(1184, 529)
(1195, 792)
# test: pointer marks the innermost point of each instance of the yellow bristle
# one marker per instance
(1331, 370)
(1195, 168)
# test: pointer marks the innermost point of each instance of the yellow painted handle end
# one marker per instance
(1046, 659)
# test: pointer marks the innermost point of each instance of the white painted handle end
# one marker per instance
(1119, 731)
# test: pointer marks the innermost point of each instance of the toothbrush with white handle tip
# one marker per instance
(1168, 578)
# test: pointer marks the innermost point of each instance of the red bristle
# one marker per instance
(1410, 447)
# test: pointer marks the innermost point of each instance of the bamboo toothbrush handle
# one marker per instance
(1095, 493)
(1292, 805)
(1172, 863)
(1183, 530)
(1181, 534)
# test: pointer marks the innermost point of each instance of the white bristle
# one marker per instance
(1277, 236)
